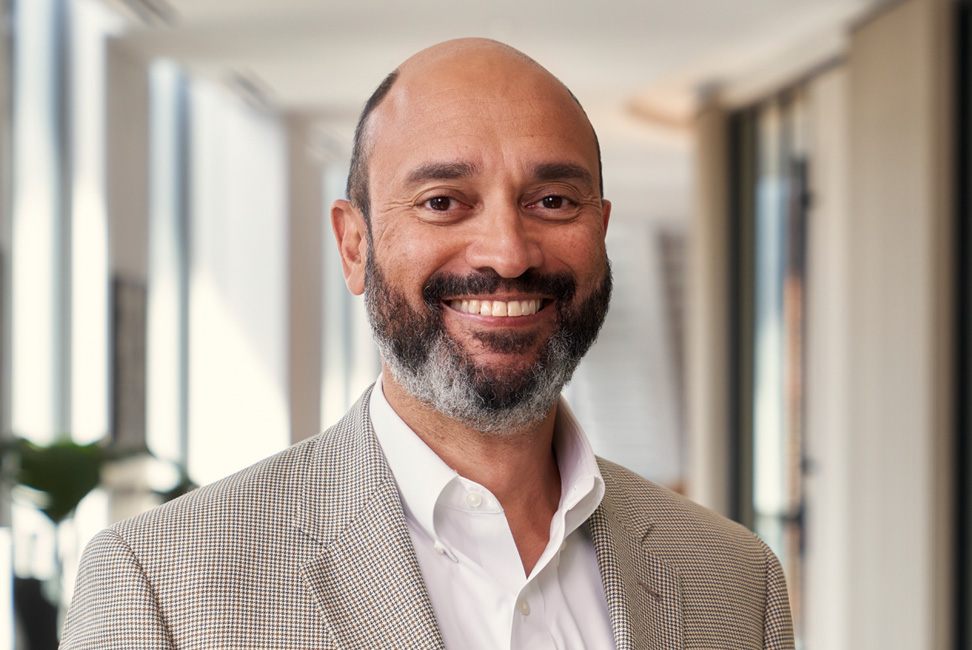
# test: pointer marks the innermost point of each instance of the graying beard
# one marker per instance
(442, 382)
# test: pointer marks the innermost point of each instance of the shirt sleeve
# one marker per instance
(113, 607)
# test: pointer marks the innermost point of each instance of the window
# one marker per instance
(769, 160)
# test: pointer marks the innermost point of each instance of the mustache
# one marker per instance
(560, 286)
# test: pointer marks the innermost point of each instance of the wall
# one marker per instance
(900, 374)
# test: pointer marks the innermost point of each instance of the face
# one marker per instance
(486, 278)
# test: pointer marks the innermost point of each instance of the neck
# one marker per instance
(518, 467)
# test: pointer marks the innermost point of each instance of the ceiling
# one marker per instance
(636, 65)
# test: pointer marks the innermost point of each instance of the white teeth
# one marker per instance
(497, 307)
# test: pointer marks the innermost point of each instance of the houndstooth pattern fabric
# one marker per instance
(309, 549)
(677, 575)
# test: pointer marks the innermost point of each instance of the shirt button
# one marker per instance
(523, 606)
(439, 548)
(474, 499)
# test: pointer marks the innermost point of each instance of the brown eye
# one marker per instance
(552, 202)
(440, 203)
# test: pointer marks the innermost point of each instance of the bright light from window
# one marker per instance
(165, 408)
(35, 412)
(238, 299)
(89, 228)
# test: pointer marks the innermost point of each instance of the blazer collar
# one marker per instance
(366, 579)
(643, 592)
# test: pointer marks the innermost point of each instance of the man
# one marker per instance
(458, 503)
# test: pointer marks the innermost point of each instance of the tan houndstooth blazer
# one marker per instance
(309, 549)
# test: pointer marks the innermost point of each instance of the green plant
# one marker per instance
(60, 474)
(64, 472)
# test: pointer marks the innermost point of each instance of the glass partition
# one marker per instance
(770, 198)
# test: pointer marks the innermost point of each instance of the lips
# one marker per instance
(500, 308)
(455, 291)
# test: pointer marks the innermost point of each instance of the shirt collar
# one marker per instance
(422, 476)
(581, 484)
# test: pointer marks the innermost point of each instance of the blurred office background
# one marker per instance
(789, 341)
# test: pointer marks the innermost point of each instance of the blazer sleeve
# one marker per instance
(777, 624)
(114, 607)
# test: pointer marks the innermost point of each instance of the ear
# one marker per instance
(351, 233)
(605, 213)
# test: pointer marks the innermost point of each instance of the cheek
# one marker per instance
(408, 260)
(581, 250)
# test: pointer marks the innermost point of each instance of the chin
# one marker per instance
(503, 400)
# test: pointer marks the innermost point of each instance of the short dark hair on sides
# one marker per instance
(357, 189)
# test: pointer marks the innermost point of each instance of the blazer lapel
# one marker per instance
(365, 579)
(643, 592)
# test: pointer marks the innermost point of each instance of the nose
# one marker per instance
(504, 243)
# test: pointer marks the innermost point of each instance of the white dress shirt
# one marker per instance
(481, 596)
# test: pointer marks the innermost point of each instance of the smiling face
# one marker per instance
(485, 276)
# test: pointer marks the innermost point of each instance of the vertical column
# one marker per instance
(127, 206)
(829, 435)
(707, 317)
(307, 226)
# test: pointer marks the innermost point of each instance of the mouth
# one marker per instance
(498, 308)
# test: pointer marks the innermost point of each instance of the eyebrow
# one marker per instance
(563, 171)
(438, 171)
(553, 171)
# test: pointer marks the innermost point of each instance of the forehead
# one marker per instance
(507, 113)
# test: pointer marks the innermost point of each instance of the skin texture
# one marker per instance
(480, 159)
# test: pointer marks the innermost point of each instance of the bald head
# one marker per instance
(472, 68)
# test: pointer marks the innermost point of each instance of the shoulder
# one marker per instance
(263, 502)
(730, 581)
(269, 489)
(246, 535)
(250, 509)
(249, 489)
(683, 533)
(648, 504)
